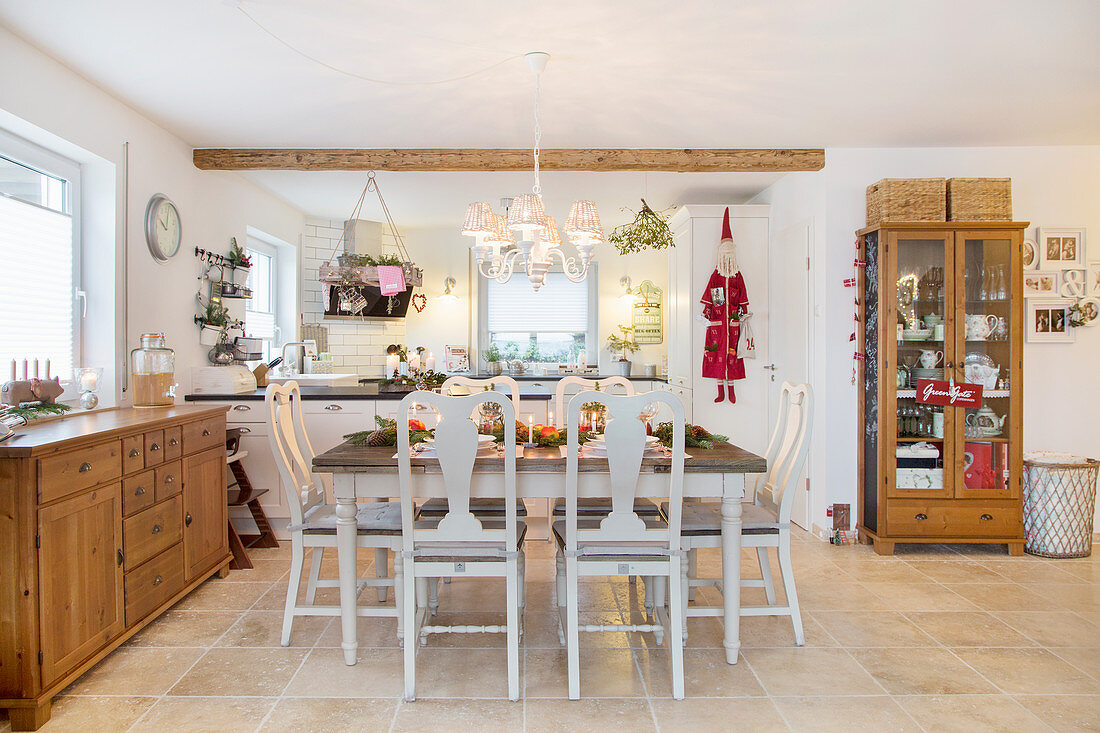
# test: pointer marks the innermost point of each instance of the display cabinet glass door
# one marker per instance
(987, 341)
(920, 294)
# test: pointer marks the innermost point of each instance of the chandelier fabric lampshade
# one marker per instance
(501, 234)
(480, 219)
(527, 213)
(551, 237)
(583, 225)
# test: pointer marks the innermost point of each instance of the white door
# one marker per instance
(745, 422)
(789, 334)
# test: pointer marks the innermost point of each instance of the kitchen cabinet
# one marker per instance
(941, 301)
(104, 524)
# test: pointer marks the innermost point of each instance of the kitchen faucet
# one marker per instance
(288, 370)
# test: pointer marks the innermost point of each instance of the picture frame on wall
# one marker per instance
(1062, 248)
(1030, 256)
(1092, 278)
(1041, 283)
(1047, 321)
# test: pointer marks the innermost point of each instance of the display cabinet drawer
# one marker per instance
(151, 531)
(203, 434)
(173, 443)
(133, 454)
(153, 583)
(932, 519)
(154, 448)
(70, 472)
(169, 480)
(137, 493)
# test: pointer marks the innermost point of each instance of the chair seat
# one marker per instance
(469, 551)
(376, 518)
(705, 518)
(604, 551)
(479, 506)
(642, 507)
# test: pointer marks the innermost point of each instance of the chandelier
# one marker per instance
(525, 238)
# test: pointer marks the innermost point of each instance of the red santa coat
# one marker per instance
(724, 301)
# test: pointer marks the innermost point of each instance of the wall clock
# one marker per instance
(163, 231)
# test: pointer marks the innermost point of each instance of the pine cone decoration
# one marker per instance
(382, 437)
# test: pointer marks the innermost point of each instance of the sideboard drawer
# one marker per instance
(151, 531)
(154, 448)
(153, 583)
(133, 454)
(137, 493)
(203, 434)
(173, 443)
(70, 472)
(953, 519)
(169, 480)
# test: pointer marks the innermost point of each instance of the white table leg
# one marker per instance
(731, 572)
(346, 528)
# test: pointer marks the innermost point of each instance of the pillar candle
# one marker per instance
(392, 360)
(414, 362)
(36, 368)
(14, 375)
(429, 363)
(47, 368)
(24, 369)
(530, 428)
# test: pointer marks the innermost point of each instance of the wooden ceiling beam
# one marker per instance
(483, 159)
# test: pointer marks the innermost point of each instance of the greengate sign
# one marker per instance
(958, 394)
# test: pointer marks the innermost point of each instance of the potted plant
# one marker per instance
(492, 360)
(214, 320)
(237, 256)
(623, 345)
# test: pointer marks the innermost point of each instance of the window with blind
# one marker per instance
(553, 324)
(259, 316)
(40, 255)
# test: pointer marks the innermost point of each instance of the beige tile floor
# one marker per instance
(935, 638)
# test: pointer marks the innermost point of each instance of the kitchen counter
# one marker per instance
(369, 391)
(555, 377)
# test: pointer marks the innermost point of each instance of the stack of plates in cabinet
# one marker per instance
(922, 373)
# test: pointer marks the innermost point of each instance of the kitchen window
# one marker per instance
(40, 252)
(551, 325)
(260, 311)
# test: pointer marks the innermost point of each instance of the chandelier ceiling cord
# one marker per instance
(499, 255)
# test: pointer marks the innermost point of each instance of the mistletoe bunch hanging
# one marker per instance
(649, 230)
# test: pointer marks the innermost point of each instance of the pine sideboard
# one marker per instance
(107, 519)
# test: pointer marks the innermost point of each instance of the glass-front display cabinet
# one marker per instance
(941, 344)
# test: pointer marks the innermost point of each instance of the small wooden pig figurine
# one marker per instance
(30, 390)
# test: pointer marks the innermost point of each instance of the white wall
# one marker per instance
(46, 96)
(1052, 186)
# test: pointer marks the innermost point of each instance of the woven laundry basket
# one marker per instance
(1059, 502)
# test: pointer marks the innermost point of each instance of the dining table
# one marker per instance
(369, 472)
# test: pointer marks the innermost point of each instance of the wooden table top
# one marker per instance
(79, 427)
(723, 458)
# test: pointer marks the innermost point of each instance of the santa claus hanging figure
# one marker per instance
(725, 307)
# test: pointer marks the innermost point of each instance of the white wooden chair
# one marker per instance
(479, 506)
(313, 521)
(622, 542)
(767, 521)
(459, 544)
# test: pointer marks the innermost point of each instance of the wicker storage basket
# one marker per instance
(907, 199)
(1059, 504)
(979, 199)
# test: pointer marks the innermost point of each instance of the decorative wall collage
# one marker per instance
(1061, 285)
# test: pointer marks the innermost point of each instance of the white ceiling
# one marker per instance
(623, 73)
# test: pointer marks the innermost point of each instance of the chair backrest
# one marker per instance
(625, 436)
(787, 449)
(456, 447)
(292, 450)
(479, 385)
(603, 385)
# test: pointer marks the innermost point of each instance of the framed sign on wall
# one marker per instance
(648, 316)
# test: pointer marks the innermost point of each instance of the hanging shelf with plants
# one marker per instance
(648, 230)
(355, 270)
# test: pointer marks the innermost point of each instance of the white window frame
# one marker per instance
(25, 153)
(592, 281)
(258, 245)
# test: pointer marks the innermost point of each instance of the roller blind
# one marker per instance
(36, 288)
(560, 306)
(259, 318)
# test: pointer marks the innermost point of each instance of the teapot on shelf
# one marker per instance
(979, 326)
(987, 421)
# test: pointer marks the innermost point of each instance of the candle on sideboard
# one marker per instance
(429, 363)
(47, 368)
(392, 361)
(14, 375)
(24, 369)
(414, 362)
(550, 417)
(36, 368)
